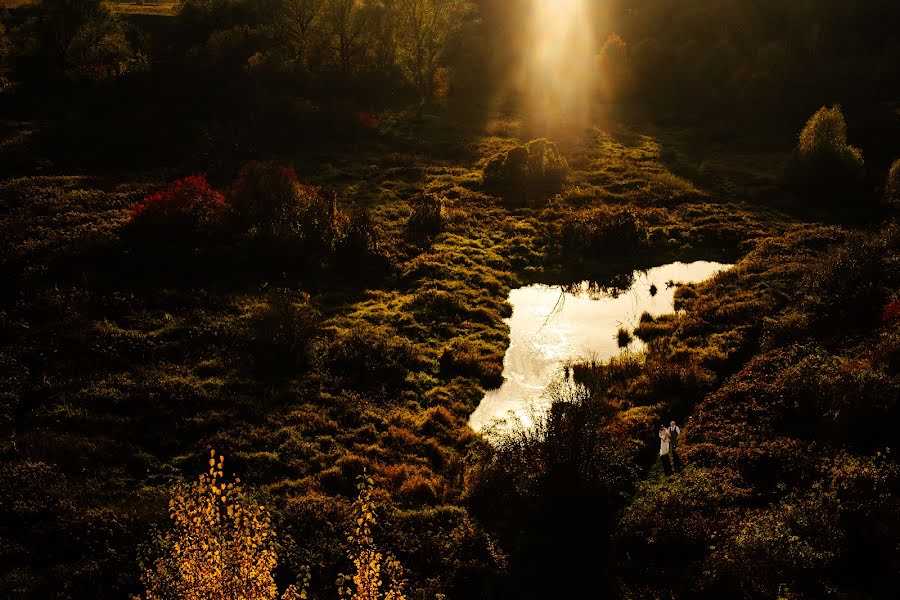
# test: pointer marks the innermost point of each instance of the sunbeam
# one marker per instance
(558, 72)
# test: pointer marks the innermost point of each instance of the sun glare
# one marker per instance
(558, 70)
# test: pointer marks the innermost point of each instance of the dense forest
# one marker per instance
(271, 244)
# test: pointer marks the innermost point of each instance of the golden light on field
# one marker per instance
(558, 70)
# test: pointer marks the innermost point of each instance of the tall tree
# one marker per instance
(344, 22)
(424, 29)
(296, 23)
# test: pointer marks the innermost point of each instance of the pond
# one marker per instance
(552, 326)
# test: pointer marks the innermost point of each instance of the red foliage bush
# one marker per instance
(184, 207)
(891, 313)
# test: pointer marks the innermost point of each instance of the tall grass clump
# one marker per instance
(426, 219)
(892, 185)
(527, 174)
(282, 334)
(825, 168)
(600, 231)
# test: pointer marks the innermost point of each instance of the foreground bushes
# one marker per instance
(825, 168)
(223, 545)
(528, 173)
(562, 482)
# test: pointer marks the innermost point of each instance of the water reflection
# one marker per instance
(554, 325)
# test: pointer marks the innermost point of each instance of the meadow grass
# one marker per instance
(136, 364)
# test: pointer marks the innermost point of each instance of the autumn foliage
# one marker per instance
(185, 207)
(221, 546)
(376, 577)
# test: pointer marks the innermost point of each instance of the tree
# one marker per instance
(82, 39)
(380, 21)
(296, 23)
(424, 29)
(344, 24)
(368, 582)
(222, 545)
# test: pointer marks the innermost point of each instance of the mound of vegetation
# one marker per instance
(426, 219)
(825, 169)
(892, 185)
(600, 231)
(181, 211)
(527, 174)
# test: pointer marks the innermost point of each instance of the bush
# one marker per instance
(222, 544)
(623, 337)
(892, 186)
(615, 68)
(183, 209)
(282, 334)
(564, 481)
(268, 198)
(426, 219)
(527, 173)
(356, 236)
(824, 167)
(600, 231)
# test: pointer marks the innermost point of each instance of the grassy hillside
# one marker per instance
(126, 362)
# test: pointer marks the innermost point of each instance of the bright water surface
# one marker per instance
(551, 327)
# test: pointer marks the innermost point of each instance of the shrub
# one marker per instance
(623, 337)
(527, 173)
(824, 167)
(222, 544)
(356, 236)
(892, 186)
(268, 199)
(426, 219)
(564, 474)
(183, 209)
(282, 334)
(600, 231)
(376, 576)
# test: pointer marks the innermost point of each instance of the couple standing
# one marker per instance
(668, 445)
